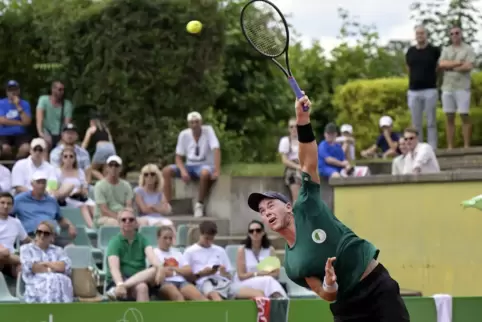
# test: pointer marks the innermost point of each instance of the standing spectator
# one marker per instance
(5, 179)
(422, 61)
(46, 269)
(53, 111)
(288, 149)
(69, 139)
(387, 141)
(15, 117)
(200, 146)
(398, 163)
(347, 142)
(98, 134)
(112, 194)
(420, 158)
(331, 159)
(457, 61)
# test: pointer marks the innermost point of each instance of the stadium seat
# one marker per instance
(150, 232)
(81, 257)
(83, 239)
(75, 217)
(20, 289)
(106, 234)
(5, 295)
(294, 290)
(181, 236)
(232, 251)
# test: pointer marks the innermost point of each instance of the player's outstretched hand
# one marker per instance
(303, 116)
(330, 276)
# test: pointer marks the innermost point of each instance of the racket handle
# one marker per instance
(297, 90)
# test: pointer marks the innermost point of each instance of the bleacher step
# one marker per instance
(182, 206)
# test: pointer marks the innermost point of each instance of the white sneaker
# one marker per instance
(198, 210)
(111, 294)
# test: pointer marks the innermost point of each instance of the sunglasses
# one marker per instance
(114, 165)
(455, 33)
(68, 156)
(38, 149)
(409, 138)
(129, 220)
(147, 174)
(256, 230)
(39, 233)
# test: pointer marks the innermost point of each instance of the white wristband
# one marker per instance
(330, 289)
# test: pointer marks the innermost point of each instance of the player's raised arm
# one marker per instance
(308, 151)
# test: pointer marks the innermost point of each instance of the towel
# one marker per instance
(443, 304)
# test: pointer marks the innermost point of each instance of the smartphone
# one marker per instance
(216, 267)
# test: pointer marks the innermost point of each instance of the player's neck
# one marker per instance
(289, 233)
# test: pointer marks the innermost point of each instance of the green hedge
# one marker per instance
(362, 103)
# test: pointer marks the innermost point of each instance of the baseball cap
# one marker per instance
(194, 116)
(255, 198)
(330, 128)
(39, 175)
(114, 158)
(346, 128)
(38, 142)
(69, 127)
(13, 83)
(385, 121)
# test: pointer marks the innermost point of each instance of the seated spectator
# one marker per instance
(98, 134)
(176, 270)
(53, 112)
(387, 141)
(347, 142)
(331, 159)
(70, 174)
(69, 139)
(128, 277)
(5, 179)
(46, 268)
(35, 206)
(420, 157)
(111, 194)
(200, 146)
(288, 149)
(257, 247)
(211, 267)
(11, 230)
(399, 162)
(15, 117)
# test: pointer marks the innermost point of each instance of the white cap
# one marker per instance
(385, 121)
(39, 175)
(38, 142)
(346, 128)
(114, 158)
(194, 116)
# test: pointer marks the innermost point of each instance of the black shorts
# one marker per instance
(59, 240)
(375, 299)
(15, 140)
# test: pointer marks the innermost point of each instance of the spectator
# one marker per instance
(112, 194)
(331, 159)
(420, 157)
(347, 142)
(69, 138)
(200, 146)
(399, 162)
(11, 230)
(46, 268)
(211, 267)
(70, 175)
(175, 287)
(127, 277)
(288, 149)
(387, 141)
(15, 117)
(422, 62)
(149, 200)
(5, 179)
(36, 206)
(257, 247)
(98, 134)
(53, 111)
(457, 61)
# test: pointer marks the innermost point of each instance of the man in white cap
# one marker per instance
(347, 141)
(387, 141)
(199, 145)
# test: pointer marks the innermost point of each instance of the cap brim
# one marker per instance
(255, 198)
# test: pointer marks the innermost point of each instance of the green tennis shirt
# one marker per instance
(320, 235)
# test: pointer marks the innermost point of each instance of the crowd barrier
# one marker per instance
(465, 309)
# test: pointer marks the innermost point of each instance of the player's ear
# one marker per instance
(288, 207)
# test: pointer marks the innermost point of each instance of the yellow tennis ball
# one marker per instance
(194, 27)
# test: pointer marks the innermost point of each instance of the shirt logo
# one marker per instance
(318, 236)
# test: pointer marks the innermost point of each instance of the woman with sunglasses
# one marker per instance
(46, 268)
(70, 174)
(288, 149)
(257, 247)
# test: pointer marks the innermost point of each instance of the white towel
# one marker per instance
(443, 304)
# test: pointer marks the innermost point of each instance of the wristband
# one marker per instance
(330, 289)
(305, 133)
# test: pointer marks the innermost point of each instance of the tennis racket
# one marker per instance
(266, 30)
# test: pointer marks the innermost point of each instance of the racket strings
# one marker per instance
(265, 28)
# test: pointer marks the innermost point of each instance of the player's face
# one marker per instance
(274, 213)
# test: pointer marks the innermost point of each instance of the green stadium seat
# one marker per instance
(181, 236)
(81, 257)
(105, 234)
(150, 233)
(232, 251)
(83, 239)
(20, 289)
(294, 290)
(5, 295)
(75, 217)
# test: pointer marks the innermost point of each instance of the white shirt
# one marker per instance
(422, 157)
(200, 258)
(5, 179)
(397, 165)
(290, 149)
(351, 148)
(172, 254)
(187, 146)
(11, 229)
(23, 170)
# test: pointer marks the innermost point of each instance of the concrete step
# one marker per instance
(223, 240)
(223, 224)
(182, 206)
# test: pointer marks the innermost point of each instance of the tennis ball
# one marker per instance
(194, 27)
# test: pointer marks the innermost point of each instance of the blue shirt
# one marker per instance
(31, 212)
(9, 111)
(382, 142)
(325, 150)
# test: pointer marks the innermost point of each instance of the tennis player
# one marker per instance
(321, 252)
